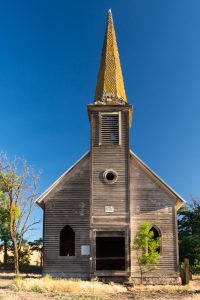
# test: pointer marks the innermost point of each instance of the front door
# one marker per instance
(110, 251)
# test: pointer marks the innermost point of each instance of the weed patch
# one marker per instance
(71, 286)
(83, 297)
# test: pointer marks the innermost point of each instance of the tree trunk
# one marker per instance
(41, 258)
(16, 254)
(16, 258)
(141, 274)
(5, 255)
(14, 240)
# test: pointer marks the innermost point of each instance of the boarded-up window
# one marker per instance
(67, 241)
(109, 128)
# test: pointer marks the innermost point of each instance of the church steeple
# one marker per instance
(110, 84)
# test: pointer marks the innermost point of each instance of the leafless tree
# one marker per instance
(19, 183)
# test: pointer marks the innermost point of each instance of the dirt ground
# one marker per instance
(190, 292)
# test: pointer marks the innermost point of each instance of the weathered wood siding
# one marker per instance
(68, 205)
(105, 157)
(115, 157)
(80, 197)
(151, 202)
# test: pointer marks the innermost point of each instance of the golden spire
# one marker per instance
(110, 84)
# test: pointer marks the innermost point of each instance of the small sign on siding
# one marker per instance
(85, 250)
(109, 209)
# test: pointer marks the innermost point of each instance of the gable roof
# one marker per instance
(179, 200)
(41, 198)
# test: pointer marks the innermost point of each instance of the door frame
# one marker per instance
(121, 231)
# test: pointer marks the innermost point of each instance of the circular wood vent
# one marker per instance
(110, 176)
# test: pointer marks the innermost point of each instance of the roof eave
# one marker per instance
(41, 199)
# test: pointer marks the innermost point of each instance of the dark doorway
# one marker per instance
(110, 253)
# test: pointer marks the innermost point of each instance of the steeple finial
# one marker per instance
(110, 84)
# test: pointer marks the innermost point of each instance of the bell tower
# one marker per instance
(110, 118)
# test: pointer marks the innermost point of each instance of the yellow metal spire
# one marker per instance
(110, 84)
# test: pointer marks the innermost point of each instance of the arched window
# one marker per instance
(67, 241)
(157, 237)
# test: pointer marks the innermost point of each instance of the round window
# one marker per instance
(110, 176)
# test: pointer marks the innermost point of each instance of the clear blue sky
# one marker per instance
(49, 59)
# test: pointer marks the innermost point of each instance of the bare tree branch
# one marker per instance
(20, 185)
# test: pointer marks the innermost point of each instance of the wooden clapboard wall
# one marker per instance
(151, 202)
(80, 198)
(105, 157)
(68, 205)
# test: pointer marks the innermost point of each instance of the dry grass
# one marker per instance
(169, 289)
(169, 292)
(83, 297)
(48, 284)
(23, 288)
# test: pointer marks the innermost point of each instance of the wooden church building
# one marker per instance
(93, 211)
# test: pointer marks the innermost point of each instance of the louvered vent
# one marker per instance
(109, 129)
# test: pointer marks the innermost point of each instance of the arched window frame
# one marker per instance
(61, 242)
(160, 236)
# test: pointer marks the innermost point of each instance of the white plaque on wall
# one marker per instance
(85, 250)
(109, 209)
